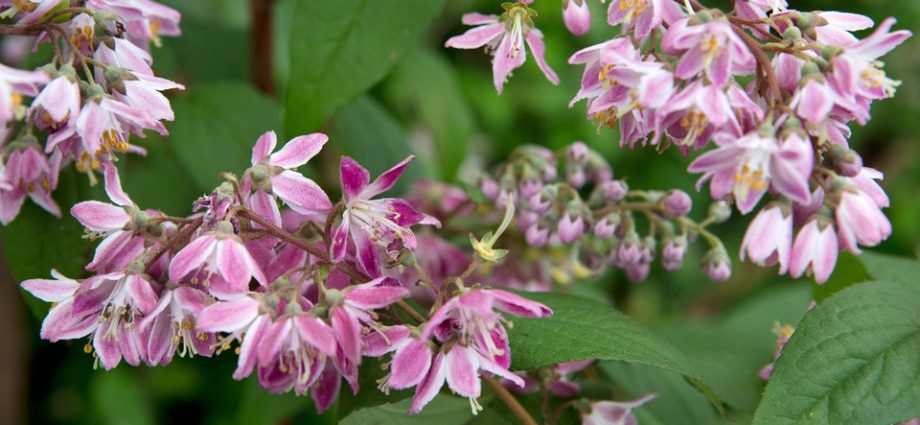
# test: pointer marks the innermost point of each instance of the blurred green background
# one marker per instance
(441, 105)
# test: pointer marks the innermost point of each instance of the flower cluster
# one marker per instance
(568, 208)
(300, 288)
(83, 106)
(679, 74)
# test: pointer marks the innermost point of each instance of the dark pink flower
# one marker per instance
(275, 174)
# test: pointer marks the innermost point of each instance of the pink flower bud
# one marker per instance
(677, 203)
(614, 190)
(637, 272)
(578, 152)
(672, 255)
(530, 188)
(570, 229)
(716, 264)
(576, 16)
(536, 236)
(606, 227)
(489, 188)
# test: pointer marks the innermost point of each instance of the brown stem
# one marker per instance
(261, 45)
(763, 65)
(184, 233)
(510, 401)
(33, 29)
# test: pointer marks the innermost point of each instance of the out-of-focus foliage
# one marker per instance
(441, 106)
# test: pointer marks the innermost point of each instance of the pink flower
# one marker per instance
(504, 38)
(482, 345)
(121, 225)
(171, 327)
(275, 174)
(29, 11)
(14, 84)
(109, 307)
(815, 250)
(56, 107)
(245, 320)
(352, 309)
(860, 221)
(576, 16)
(28, 172)
(857, 73)
(642, 16)
(614, 412)
(222, 259)
(369, 223)
(768, 238)
(293, 352)
(748, 166)
(144, 19)
(711, 46)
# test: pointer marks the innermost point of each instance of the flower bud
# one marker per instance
(489, 188)
(539, 203)
(614, 190)
(716, 264)
(847, 161)
(792, 34)
(606, 227)
(576, 176)
(576, 16)
(530, 187)
(629, 253)
(578, 152)
(637, 272)
(647, 249)
(677, 203)
(720, 212)
(536, 236)
(672, 255)
(570, 229)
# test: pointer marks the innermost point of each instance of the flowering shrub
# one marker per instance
(325, 290)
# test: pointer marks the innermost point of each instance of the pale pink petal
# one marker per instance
(535, 41)
(518, 305)
(507, 58)
(463, 372)
(430, 385)
(274, 337)
(234, 263)
(113, 185)
(228, 316)
(299, 150)
(62, 324)
(300, 193)
(371, 298)
(348, 333)
(476, 37)
(191, 257)
(478, 19)
(264, 146)
(410, 365)
(381, 342)
(317, 333)
(99, 216)
(251, 341)
(141, 292)
(51, 290)
(107, 348)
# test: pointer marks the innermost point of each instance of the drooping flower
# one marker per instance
(815, 250)
(29, 173)
(504, 38)
(860, 221)
(351, 309)
(614, 412)
(369, 223)
(768, 239)
(642, 16)
(171, 327)
(14, 84)
(474, 339)
(246, 321)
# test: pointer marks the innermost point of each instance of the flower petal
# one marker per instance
(353, 176)
(300, 193)
(228, 316)
(299, 150)
(99, 216)
(264, 146)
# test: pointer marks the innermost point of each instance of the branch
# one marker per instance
(510, 401)
(763, 65)
(261, 45)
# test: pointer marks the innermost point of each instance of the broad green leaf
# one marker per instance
(37, 241)
(581, 328)
(854, 359)
(158, 180)
(370, 396)
(368, 133)
(340, 48)
(443, 410)
(447, 115)
(119, 399)
(217, 125)
(208, 50)
(677, 401)
(890, 267)
(260, 407)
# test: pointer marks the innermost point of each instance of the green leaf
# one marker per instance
(36, 241)
(369, 134)
(340, 48)
(119, 399)
(582, 328)
(260, 407)
(448, 115)
(443, 410)
(890, 267)
(159, 169)
(677, 401)
(854, 359)
(217, 125)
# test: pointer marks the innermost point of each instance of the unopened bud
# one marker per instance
(672, 255)
(577, 16)
(719, 212)
(846, 161)
(614, 190)
(607, 226)
(570, 229)
(792, 34)
(716, 264)
(676, 204)
(536, 236)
